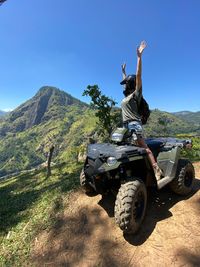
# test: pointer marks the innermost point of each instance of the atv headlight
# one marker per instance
(111, 161)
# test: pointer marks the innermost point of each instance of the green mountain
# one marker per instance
(50, 117)
(165, 123)
(188, 116)
(49, 103)
(54, 117)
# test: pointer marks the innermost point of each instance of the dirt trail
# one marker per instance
(86, 234)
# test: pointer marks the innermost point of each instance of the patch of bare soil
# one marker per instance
(86, 234)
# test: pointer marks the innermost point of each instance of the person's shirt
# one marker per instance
(130, 105)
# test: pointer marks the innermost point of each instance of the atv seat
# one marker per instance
(154, 145)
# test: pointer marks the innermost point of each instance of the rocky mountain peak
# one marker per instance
(48, 103)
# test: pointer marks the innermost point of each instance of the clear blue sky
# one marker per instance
(72, 43)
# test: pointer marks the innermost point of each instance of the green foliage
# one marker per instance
(163, 123)
(29, 204)
(49, 103)
(103, 106)
(194, 153)
(27, 149)
(24, 143)
(188, 116)
(72, 123)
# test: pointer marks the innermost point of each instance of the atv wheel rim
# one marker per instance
(188, 179)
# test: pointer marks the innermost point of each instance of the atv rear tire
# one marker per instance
(88, 189)
(130, 206)
(183, 182)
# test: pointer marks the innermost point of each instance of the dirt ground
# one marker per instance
(86, 234)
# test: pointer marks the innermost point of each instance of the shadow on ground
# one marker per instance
(158, 209)
(189, 258)
(20, 193)
(74, 241)
(86, 236)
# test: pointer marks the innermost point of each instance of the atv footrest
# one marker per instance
(164, 181)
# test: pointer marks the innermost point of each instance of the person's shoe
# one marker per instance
(158, 173)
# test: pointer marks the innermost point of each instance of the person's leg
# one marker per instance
(138, 130)
(157, 170)
(141, 143)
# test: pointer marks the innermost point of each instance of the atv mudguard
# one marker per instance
(168, 161)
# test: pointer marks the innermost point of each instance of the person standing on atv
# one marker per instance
(130, 115)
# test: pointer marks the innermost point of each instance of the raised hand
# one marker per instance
(141, 48)
(123, 68)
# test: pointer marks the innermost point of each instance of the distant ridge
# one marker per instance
(181, 112)
(2, 113)
(189, 116)
(48, 103)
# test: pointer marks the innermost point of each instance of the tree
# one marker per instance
(108, 117)
(164, 121)
(50, 154)
(47, 148)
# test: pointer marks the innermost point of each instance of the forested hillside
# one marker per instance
(54, 117)
(164, 123)
(51, 116)
(188, 116)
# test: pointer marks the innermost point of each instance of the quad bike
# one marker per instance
(122, 167)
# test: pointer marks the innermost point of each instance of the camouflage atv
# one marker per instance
(123, 167)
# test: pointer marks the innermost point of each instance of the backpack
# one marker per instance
(143, 110)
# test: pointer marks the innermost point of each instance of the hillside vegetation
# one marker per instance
(188, 116)
(29, 204)
(28, 131)
(53, 116)
(163, 123)
(48, 104)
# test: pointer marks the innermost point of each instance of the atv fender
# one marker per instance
(168, 162)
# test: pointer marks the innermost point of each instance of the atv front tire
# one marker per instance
(87, 188)
(183, 182)
(130, 206)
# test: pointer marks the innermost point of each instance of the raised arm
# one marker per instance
(123, 66)
(140, 50)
